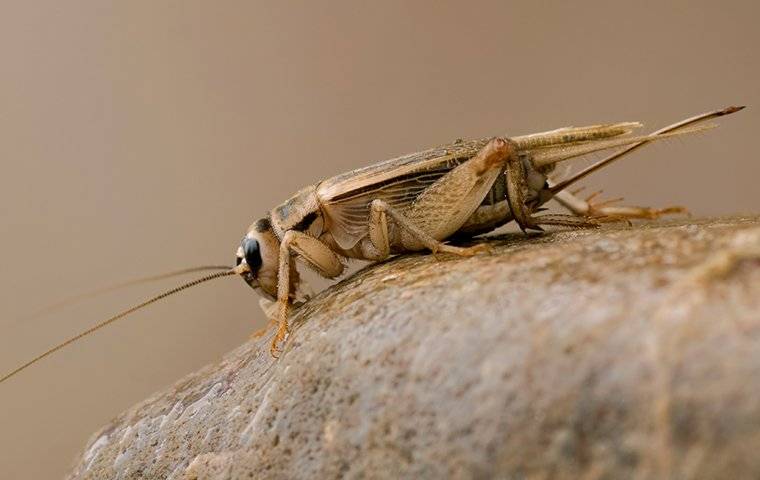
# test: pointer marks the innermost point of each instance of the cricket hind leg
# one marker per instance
(608, 211)
(378, 245)
(523, 209)
(562, 220)
(440, 210)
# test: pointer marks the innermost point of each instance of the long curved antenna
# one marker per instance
(606, 161)
(65, 302)
(117, 317)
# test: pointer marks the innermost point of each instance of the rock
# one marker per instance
(616, 353)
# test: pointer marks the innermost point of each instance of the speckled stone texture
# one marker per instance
(618, 353)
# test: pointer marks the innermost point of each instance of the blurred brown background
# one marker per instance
(140, 137)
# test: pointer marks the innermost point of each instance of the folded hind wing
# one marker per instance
(347, 216)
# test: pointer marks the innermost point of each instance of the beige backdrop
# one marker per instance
(139, 137)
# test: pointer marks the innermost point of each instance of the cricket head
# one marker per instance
(257, 258)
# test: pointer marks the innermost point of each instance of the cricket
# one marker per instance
(420, 202)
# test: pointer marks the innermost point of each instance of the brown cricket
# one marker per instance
(419, 201)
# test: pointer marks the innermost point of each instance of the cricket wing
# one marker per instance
(573, 135)
(558, 153)
(347, 218)
(345, 199)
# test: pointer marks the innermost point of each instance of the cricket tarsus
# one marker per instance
(118, 316)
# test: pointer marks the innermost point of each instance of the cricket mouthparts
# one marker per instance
(241, 269)
(246, 273)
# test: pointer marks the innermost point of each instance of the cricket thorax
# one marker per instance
(300, 212)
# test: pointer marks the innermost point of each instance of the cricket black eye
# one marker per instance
(252, 253)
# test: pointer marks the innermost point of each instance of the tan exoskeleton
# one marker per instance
(418, 201)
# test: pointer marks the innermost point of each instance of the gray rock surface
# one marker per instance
(618, 353)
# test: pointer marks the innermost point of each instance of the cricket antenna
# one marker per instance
(65, 302)
(670, 128)
(197, 281)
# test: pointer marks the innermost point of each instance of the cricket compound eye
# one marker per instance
(252, 253)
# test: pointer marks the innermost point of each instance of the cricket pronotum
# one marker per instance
(418, 201)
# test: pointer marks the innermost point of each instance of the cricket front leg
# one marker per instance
(608, 211)
(317, 255)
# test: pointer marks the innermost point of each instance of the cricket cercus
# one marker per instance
(417, 202)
